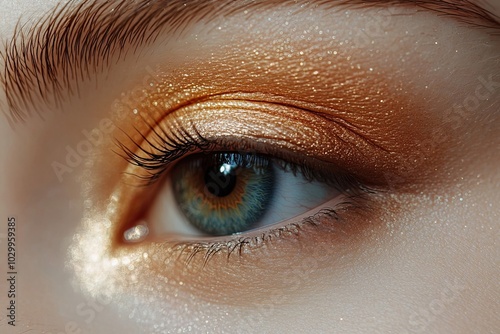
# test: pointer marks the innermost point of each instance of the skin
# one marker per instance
(424, 258)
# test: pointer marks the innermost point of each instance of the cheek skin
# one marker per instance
(428, 267)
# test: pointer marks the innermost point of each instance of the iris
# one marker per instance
(224, 193)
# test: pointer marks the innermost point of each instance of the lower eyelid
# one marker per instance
(254, 237)
(251, 275)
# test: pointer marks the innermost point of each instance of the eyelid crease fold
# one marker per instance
(85, 37)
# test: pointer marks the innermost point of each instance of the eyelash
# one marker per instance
(237, 245)
(171, 148)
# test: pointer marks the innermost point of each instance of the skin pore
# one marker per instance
(400, 98)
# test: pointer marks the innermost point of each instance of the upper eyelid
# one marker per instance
(30, 72)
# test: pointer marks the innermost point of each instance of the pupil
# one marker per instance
(220, 180)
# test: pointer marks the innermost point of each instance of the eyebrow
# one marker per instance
(77, 40)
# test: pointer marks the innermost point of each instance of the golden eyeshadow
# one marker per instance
(345, 115)
(319, 102)
(326, 102)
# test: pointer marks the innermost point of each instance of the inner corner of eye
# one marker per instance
(226, 193)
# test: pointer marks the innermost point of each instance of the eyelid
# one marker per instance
(235, 118)
(322, 136)
(340, 87)
(188, 248)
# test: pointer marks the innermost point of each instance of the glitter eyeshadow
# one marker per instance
(318, 95)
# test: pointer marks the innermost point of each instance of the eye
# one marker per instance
(203, 185)
(217, 194)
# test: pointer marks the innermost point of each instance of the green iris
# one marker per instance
(224, 193)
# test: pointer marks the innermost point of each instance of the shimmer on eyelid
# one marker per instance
(362, 121)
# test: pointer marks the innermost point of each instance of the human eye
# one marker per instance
(314, 106)
(228, 193)
(297, 179)
(260, 166)
(224, 187)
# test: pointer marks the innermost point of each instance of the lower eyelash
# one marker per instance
(238, 245)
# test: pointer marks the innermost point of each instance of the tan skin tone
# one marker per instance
(417, 254)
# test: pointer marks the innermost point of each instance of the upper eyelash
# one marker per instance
(173, 147)
(170, 147)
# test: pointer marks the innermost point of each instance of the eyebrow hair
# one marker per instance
(76, 40)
